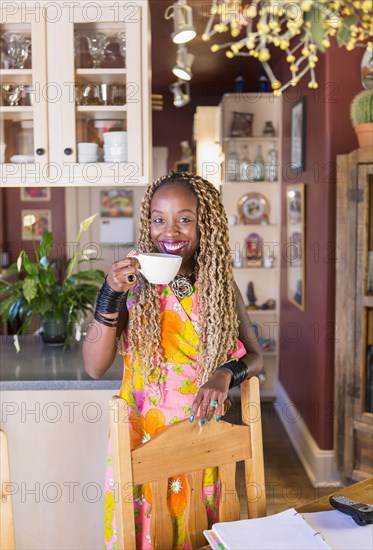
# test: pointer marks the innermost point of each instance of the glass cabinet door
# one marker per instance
(101, 95)
(24, 148)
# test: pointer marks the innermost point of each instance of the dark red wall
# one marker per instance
(307, 343)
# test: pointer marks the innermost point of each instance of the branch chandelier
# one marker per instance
(300, 28)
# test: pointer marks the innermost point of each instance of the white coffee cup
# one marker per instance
(159, 269)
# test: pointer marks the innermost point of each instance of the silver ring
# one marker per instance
(214, 404)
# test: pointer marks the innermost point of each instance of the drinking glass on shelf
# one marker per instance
(17, 48)
(91, 94)
(117, 94)
(104, 93)
(78, 94)
(78, 41)
(11, 94)
(121, 36)
(97, 43)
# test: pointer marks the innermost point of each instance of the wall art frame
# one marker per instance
(183, 166)
(298, 136)
(295, 240)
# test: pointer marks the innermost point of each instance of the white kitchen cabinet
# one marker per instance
(48, 118)
(263, 268)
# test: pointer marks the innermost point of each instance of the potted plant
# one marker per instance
(62, 305)
(362, 117)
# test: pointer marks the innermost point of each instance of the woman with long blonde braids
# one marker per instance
(184, 344)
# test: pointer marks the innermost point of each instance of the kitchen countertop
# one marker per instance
(43, 367)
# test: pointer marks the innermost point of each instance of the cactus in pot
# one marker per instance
(361, 112)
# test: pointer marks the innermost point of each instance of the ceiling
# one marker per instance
(213, 73)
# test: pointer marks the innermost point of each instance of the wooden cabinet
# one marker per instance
(59, 97)
(354, 315)
(253, 210)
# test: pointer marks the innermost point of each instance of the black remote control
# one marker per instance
(361, 513)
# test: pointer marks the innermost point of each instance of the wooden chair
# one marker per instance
(6, 511)
(185, 448)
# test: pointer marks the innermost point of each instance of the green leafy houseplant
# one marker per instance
(38, 291)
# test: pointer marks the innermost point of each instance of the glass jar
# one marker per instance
(245, 165)
(272, 163)
(258, 167)
(232, 165)
(269, 129)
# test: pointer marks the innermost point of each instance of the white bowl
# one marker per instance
(116, 143)
(115, 150)
(86, 159)
(116, 158)
(120, 155)
(22, 158)
(86, 148)
(115, 138)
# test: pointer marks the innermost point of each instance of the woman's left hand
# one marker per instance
(214, 390)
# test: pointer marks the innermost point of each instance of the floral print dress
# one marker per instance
(153, 407)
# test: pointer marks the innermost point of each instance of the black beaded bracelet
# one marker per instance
(239, 370)
(109, 300)
(107, 321)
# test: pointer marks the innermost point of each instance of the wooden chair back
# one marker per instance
(186, 448)
(6, 511)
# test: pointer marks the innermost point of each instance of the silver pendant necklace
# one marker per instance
(182, 286)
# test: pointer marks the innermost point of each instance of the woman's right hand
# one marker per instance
(117, 277)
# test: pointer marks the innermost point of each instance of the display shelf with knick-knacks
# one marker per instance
(251, 130)
(85, 73)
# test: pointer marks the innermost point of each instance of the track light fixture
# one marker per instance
(184, 61)
(181, 91)
(182, 15)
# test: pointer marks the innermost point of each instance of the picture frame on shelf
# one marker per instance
(298, 135)
(35, 223)
(35, 194)
(183, 166)
(242, 125)
(116, 203)
(295, 233)
(254, 250)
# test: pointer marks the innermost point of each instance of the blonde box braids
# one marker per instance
(217, 316)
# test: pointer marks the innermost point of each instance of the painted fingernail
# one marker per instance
(208, 419)
(191, 418)
(202, 422)
(218, 418)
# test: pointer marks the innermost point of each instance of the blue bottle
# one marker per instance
(263, 82)
(240, 83)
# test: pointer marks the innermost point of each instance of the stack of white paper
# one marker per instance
(292, 531)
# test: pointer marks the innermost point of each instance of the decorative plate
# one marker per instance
(253, 208)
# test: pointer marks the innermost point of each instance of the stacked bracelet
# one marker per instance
(108, 301)
(239, 370)
(107, 321)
